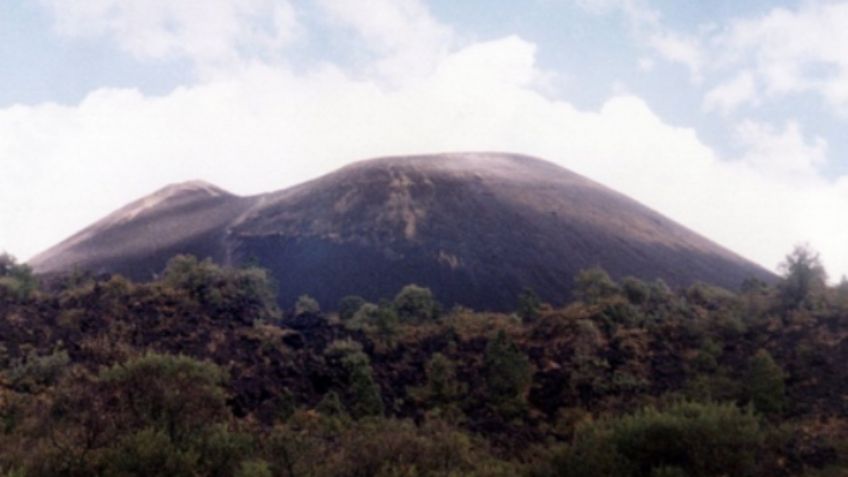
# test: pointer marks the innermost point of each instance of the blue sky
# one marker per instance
(726, 116)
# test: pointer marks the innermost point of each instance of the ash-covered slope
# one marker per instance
(476, 228)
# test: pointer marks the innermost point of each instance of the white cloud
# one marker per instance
(646, 64)
(784, 154)
(731, 94)
(637, 12)
(204, 31)
(264, 127)
(794, 51)
(784, 52)
(647, 25)
(678, 48)
(403, 33)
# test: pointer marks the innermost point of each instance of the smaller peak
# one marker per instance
(181, 192)
(196, 185)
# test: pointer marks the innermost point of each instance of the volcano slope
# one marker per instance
(476, 228)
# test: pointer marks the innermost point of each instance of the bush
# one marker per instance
(306, 306)
(176, 394)
(765, 384)
(36, 371)
(508, 375)
(243, 295)
(17, 278)
(529, 305)
(694, 439)
(349, 305)
(636, 291)
(361, 391)
(593, 285)
(415, 303)
(442, 388)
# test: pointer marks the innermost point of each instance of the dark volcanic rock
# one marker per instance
(476, 228)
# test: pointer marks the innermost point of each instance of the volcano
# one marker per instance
(476, 228)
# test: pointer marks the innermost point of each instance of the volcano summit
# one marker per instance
(476, 228)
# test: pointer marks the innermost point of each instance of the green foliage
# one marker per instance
(35, 371)
(364, 317)
(150, 452)
(306, 306)
(362, 393)
(699, 440)
(709, 296)
(298, 406)
(349, 305)
(254, 468)
(529, 305)
(508, 375)
(385, 321)
(804, 279)
(593, 285)
(442, 390)
(331, 406)
(636, 291)
(17, 279)
(380, 447)
(366, 399)
(765, 384)
(175, 394)
(244, 294)
(415, 303)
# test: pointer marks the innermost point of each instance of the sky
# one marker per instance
(726, 116)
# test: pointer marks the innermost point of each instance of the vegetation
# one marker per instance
(201, 374)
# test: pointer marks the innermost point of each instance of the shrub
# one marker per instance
(306, 306)
(765, 384)
(243, 295)
(415, 303)
(529, 305)
(177, 394)
(636, 291)
(349, 305)
(593, 285)
(694, 439)
(35, 371)
(16, 278)
(442, 388)
(508, 375)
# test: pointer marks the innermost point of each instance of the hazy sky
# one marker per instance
(727, 116)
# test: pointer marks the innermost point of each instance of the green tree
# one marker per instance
(306, 306)
(415, 303)
(840, 293)
(349, 305)
(529, 305)
(637, 291)
(178, 395)
(254, 468)
(366, 399)
(804, 279)
(331, 406)
(703, 440)
(386, 322)
(593, 285)
(362, 393)
(442, 388)
(765, 384)
(508, 375)
(17, 278)
(243, 295)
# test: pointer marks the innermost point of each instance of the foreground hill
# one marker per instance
(199, 374)
(475, 228)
